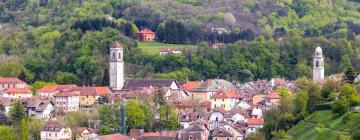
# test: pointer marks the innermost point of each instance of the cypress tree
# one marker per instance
(17, 113)
(123, 128)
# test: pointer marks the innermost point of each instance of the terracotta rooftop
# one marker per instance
(273, 95)
(222, 94)
(25, 90)
(112, 137)
(254, 121)
(65, 94)
(10, 80)
(190, 85)
(219, 109)
(146, 31)
(54, 88)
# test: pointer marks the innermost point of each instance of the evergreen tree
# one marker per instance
(17, 113)
(3, 119)
(24, 132)
(123, 128)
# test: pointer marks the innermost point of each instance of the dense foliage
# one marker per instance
(68, 41)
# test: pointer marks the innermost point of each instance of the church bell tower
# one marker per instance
(318, 68)
(116, 68)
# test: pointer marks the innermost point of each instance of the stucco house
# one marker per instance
(170, 86)
(55, 130)
(237, 115)
(225, 99)
(146, 35)
(242, 104)
(18, 93)
(66, 101)
(83, 133)
(272, 98)
(237, 132)
(208, 88)
(10, 82)
(38, 108)
(6, 103)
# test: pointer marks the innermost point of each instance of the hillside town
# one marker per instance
(208, 109)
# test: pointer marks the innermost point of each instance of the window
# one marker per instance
(190, 138)
(223, 100)
(317, 64)
(113, 56)
(216, 138)
(119, 55)
(216, 118)
(215, 100)
(227, 138)
(214, 105)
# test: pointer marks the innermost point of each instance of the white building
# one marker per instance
(67, 101)
(166, 51)
(116, 68)
(7, 82)
(55, 130)
(318, 69)
(38, 108)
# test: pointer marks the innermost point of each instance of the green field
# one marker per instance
(325, 125)
(155, 47)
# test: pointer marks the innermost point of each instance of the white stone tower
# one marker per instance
(318, 70)
(116, 68)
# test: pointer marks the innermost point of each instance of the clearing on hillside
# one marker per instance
(155, 47)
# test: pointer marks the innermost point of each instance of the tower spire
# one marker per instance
(318, 66)
(116, 67)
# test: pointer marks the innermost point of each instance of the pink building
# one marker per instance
(7, 82)
(66, 101)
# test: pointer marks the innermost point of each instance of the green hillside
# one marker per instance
(155, 47)
(325, 125)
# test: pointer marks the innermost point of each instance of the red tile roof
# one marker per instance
(146, 31)
(255, 121)
(112, 137)
(219, 109)
(25, 90)
(221, 94)
(10, 80)
(190, 85)
(102, 91)
(273, 95)
(54, 88)
(65, 94)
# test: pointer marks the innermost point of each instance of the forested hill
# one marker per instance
(67, 41)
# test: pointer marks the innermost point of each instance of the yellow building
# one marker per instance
(225, 100)
(90, 95)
